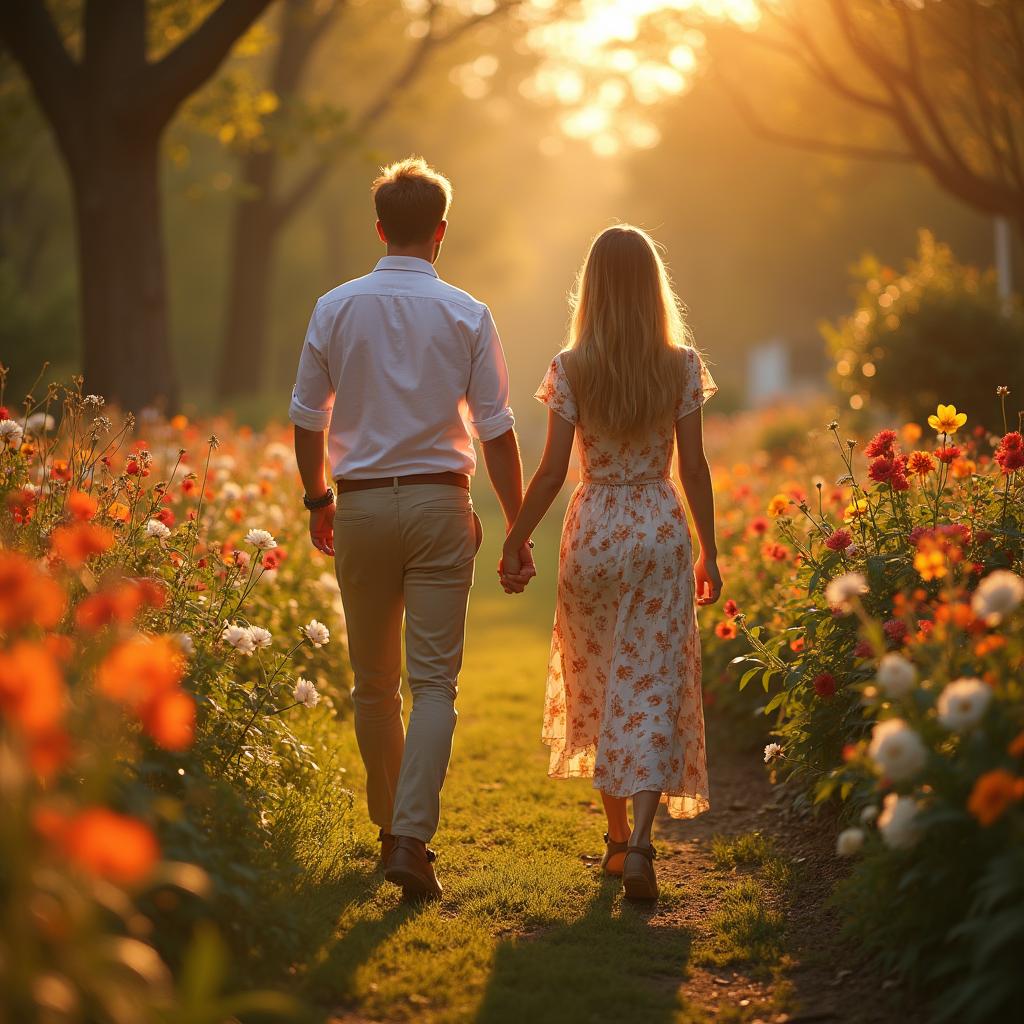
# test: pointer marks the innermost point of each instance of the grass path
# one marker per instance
(529, 931)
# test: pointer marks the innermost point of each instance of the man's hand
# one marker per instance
(516, 569)
(708, 580)
(321, 529)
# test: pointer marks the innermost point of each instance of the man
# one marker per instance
(398, 370)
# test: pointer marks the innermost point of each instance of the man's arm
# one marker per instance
(505, 470)
(309, 454)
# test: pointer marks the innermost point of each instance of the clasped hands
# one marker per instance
(516, 568)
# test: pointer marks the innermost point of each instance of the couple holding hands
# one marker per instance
(399, 372)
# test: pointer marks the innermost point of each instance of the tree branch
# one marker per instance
(30, 35)
(172, 79)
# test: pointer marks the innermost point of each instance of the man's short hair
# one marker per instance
(411, 200)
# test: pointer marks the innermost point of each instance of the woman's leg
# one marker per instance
(617, 812)
(645, 806)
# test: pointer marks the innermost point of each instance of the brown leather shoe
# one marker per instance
(638, 878)
(411, 865)
(611, 863)
(387, 844)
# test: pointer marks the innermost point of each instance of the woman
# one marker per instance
(623, 701)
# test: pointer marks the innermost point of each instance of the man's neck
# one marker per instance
(419, 252)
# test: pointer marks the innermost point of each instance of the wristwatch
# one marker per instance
(327, 498)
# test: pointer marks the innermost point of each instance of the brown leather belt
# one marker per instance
(451, 479)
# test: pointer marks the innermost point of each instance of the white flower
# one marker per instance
(316, 633)
(962, 704)
(11, 433)
(896, 676)
(772, 751)
(261, 637)
(849, 842)
(279, 452)
(186, 643)
(869, 814)
(997, 595)
(305, 693)
(40, 423)
(898, 822)
(154, 528)
(328, 581)
(238, 637)
(898, 752)
(843, 589)
(231, 491)
(93, 401)
(262, 540)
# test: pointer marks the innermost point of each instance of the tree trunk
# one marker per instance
(125, 338)
(253, 243)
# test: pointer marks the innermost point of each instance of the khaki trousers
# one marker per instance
(405, 552)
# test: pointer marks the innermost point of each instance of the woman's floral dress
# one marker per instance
(623, 702)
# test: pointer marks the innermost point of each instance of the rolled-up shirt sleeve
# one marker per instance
(488, 394)
(313, 396)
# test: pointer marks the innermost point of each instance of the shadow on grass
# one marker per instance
(615, 963)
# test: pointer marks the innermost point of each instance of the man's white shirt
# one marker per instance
(403, 370)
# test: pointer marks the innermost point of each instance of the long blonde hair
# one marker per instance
(625, 336)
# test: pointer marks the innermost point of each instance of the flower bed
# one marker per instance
(895, 687)
(161, 672)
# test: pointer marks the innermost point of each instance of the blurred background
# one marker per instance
(181, 179)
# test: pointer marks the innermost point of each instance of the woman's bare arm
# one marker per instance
(695, 475)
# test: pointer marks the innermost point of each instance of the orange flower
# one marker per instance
(992, 794)
(33, 699)
(27, 595)
(110, 845)
(119, 510)
(911, 432)
(140, 669)
(171, 720)
(82, 506)
(778, 506)
(725, 630)
(1016, 747)
(75, 545)
(179, 422)
(60, 470)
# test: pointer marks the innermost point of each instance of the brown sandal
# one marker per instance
(638, 878)
(612, 849)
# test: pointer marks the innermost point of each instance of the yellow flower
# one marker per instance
(119, 510)
(779, 505)
(947, 420)
(856, 509)
(930, 564)
(963, 468)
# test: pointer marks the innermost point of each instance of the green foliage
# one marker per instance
(939, 324)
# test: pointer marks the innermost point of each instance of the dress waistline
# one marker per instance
(639, 482)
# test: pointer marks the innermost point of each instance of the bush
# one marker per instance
(935, 330)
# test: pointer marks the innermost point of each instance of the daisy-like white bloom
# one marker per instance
(896, 676)
(772, 751)
(849, 842)
(898, 822)
(316, 633)
(40, 423)
(962, 704)
(998, 594)
(230, 491)
(154, 528)
(279, 452)
(898, 752)
(238, 637)
(305, 693)
(841, 591)
(11, 433)
(186, 643)
(261, 638)
(262, 540)
(869, 814)
(94, 401)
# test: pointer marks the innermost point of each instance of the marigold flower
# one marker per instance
(778, 506)
(82, 506)
(139, 669)
(992, 794)
(920, 463)
(948, 453)
(28, 597)
(119, 511)
(170, 718)
(33, 699)
(946, 420)
(76, 544)
(1010, 453)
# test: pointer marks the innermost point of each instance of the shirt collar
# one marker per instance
(413, 263)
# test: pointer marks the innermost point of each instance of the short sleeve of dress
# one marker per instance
(555, 393)
(698, 385)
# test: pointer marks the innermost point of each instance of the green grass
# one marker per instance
(527, 931)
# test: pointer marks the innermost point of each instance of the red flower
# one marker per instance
(726, 631)
(896, 630)
(887, 469)
(920, 463)
(948, 453)
(758, 525)
(825, 684)
(1010, 453)
(881, 444)
(731, 608)
(863, 649)
(840, 540)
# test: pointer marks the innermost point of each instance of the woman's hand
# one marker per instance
(516, 568)
(708, 580)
